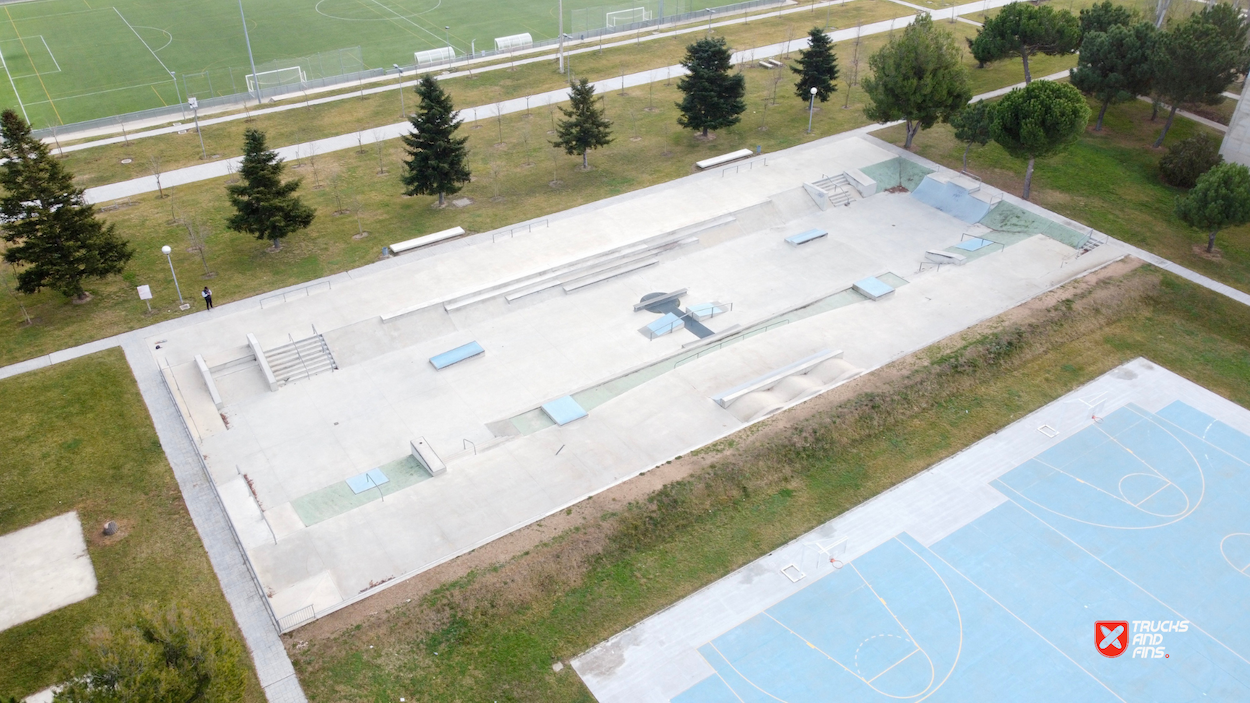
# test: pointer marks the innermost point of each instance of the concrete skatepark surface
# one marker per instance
(43, 567)
(553, 309)
(982, 577)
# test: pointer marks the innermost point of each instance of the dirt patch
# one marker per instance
(561, 548)
(897, 189)
(1200, 251)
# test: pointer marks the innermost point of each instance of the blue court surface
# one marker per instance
(1141, 517)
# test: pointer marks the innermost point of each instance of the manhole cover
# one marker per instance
(126, 161)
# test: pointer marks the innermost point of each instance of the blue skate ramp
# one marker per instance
(951, 199)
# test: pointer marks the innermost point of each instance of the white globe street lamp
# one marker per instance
(167, 251)
(810, 109)
(402, 112)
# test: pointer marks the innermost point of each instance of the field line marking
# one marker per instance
(1115, 571)
(900, 661)
(145, 44)
(158, 96)
(388, 19)
(409, 21)
(34, 67)
(15, 93)
(743, 676)
(50, 54)
(1022, 621)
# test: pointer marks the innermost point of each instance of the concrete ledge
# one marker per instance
(819, 195)
(208, 381)
(264, 363)
(424, 454)
(724, 159)
(662, 299)
(426, 240)
(944, 257)
(768, 380)
(865, 185)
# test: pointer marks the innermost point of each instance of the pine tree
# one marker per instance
(1105, 15)
(1195, 61)
(437, 159)
(585, 127)
(972, 125)
(1116, 65)
(1021, 29)
(49, 226)
(917, 77)
(1039, 120)
(714, 97)
(818, 68)
(264, 205)
(1220, 199)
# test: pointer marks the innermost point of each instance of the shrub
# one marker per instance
(1188, 159)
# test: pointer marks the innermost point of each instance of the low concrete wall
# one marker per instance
(208, 381)
(262, 361)
(865, 185)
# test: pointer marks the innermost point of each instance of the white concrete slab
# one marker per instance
(43, 568)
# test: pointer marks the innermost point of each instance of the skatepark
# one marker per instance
(370, 426)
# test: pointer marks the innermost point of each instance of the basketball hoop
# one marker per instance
(837, 563)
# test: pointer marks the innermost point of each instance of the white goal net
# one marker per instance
(623, 17)
(514, 42)
(277, 77)
(442, 54)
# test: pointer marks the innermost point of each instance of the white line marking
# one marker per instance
(50, 54)
(15, 93)
(900, 661)
(744, 678)
(145, 44)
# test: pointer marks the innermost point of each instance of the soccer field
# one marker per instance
(67, 61)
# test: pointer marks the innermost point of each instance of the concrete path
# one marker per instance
(219, 169)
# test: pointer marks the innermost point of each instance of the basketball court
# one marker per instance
(1096, 550)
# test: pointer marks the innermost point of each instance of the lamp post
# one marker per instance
(810, 109)
(709, 20)
(402, 112)
(447, 35)
(166, 251)
(561, 30)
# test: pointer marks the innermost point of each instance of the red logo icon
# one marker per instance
(1111, 637)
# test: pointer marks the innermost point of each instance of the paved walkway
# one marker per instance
(354, 140)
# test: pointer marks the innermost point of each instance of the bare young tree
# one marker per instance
(197, 232)
(4, 281)
(377, 141)
(357, 208)
(336, 188)
(154, 162)
(312, 161)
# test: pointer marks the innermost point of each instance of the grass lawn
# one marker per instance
(517, 176)
(1108, 180)
(495, 633)
(77, 436)
(103, 164)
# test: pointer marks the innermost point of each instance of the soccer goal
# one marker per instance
(620, 18)
(442, 54)
(276, 77)
(514, 42)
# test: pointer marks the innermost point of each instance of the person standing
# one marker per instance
(208, 298)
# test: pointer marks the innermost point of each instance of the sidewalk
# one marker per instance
(219, 169)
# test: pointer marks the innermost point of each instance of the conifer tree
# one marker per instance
(585, 126)
(713, 96)
(50, 228)
(264, 205)
(818, 68)
(1021, 29)
(1116, 65)
(438, 162)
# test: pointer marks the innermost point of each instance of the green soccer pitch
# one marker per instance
(67, 61)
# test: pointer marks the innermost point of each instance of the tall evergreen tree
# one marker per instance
(438, 162)
(1194, 63)
(1116, 65)
(264, 205)
(713, 96)
(50, 228)
(584, 127)
(818, 67)
(1022, 29)
(917, 77)
(1039, 120)
(1104, 16)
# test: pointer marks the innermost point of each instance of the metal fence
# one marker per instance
(318, 65)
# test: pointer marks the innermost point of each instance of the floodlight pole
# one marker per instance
(402, 112)
(166, 251)
(447, 35)
(810, 109)
(561, 13)
(250, 60)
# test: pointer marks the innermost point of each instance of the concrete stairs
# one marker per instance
(838, 187)
(300, 359)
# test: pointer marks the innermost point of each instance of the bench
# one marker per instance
(564, 410)
(810, 235)
(425, 456)
(873, 288)
(457, 355)
(724, 159)
(427, 240)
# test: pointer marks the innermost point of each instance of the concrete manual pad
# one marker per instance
(1122, 500)
(282, 464)
(564, 410)
(43, 567)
